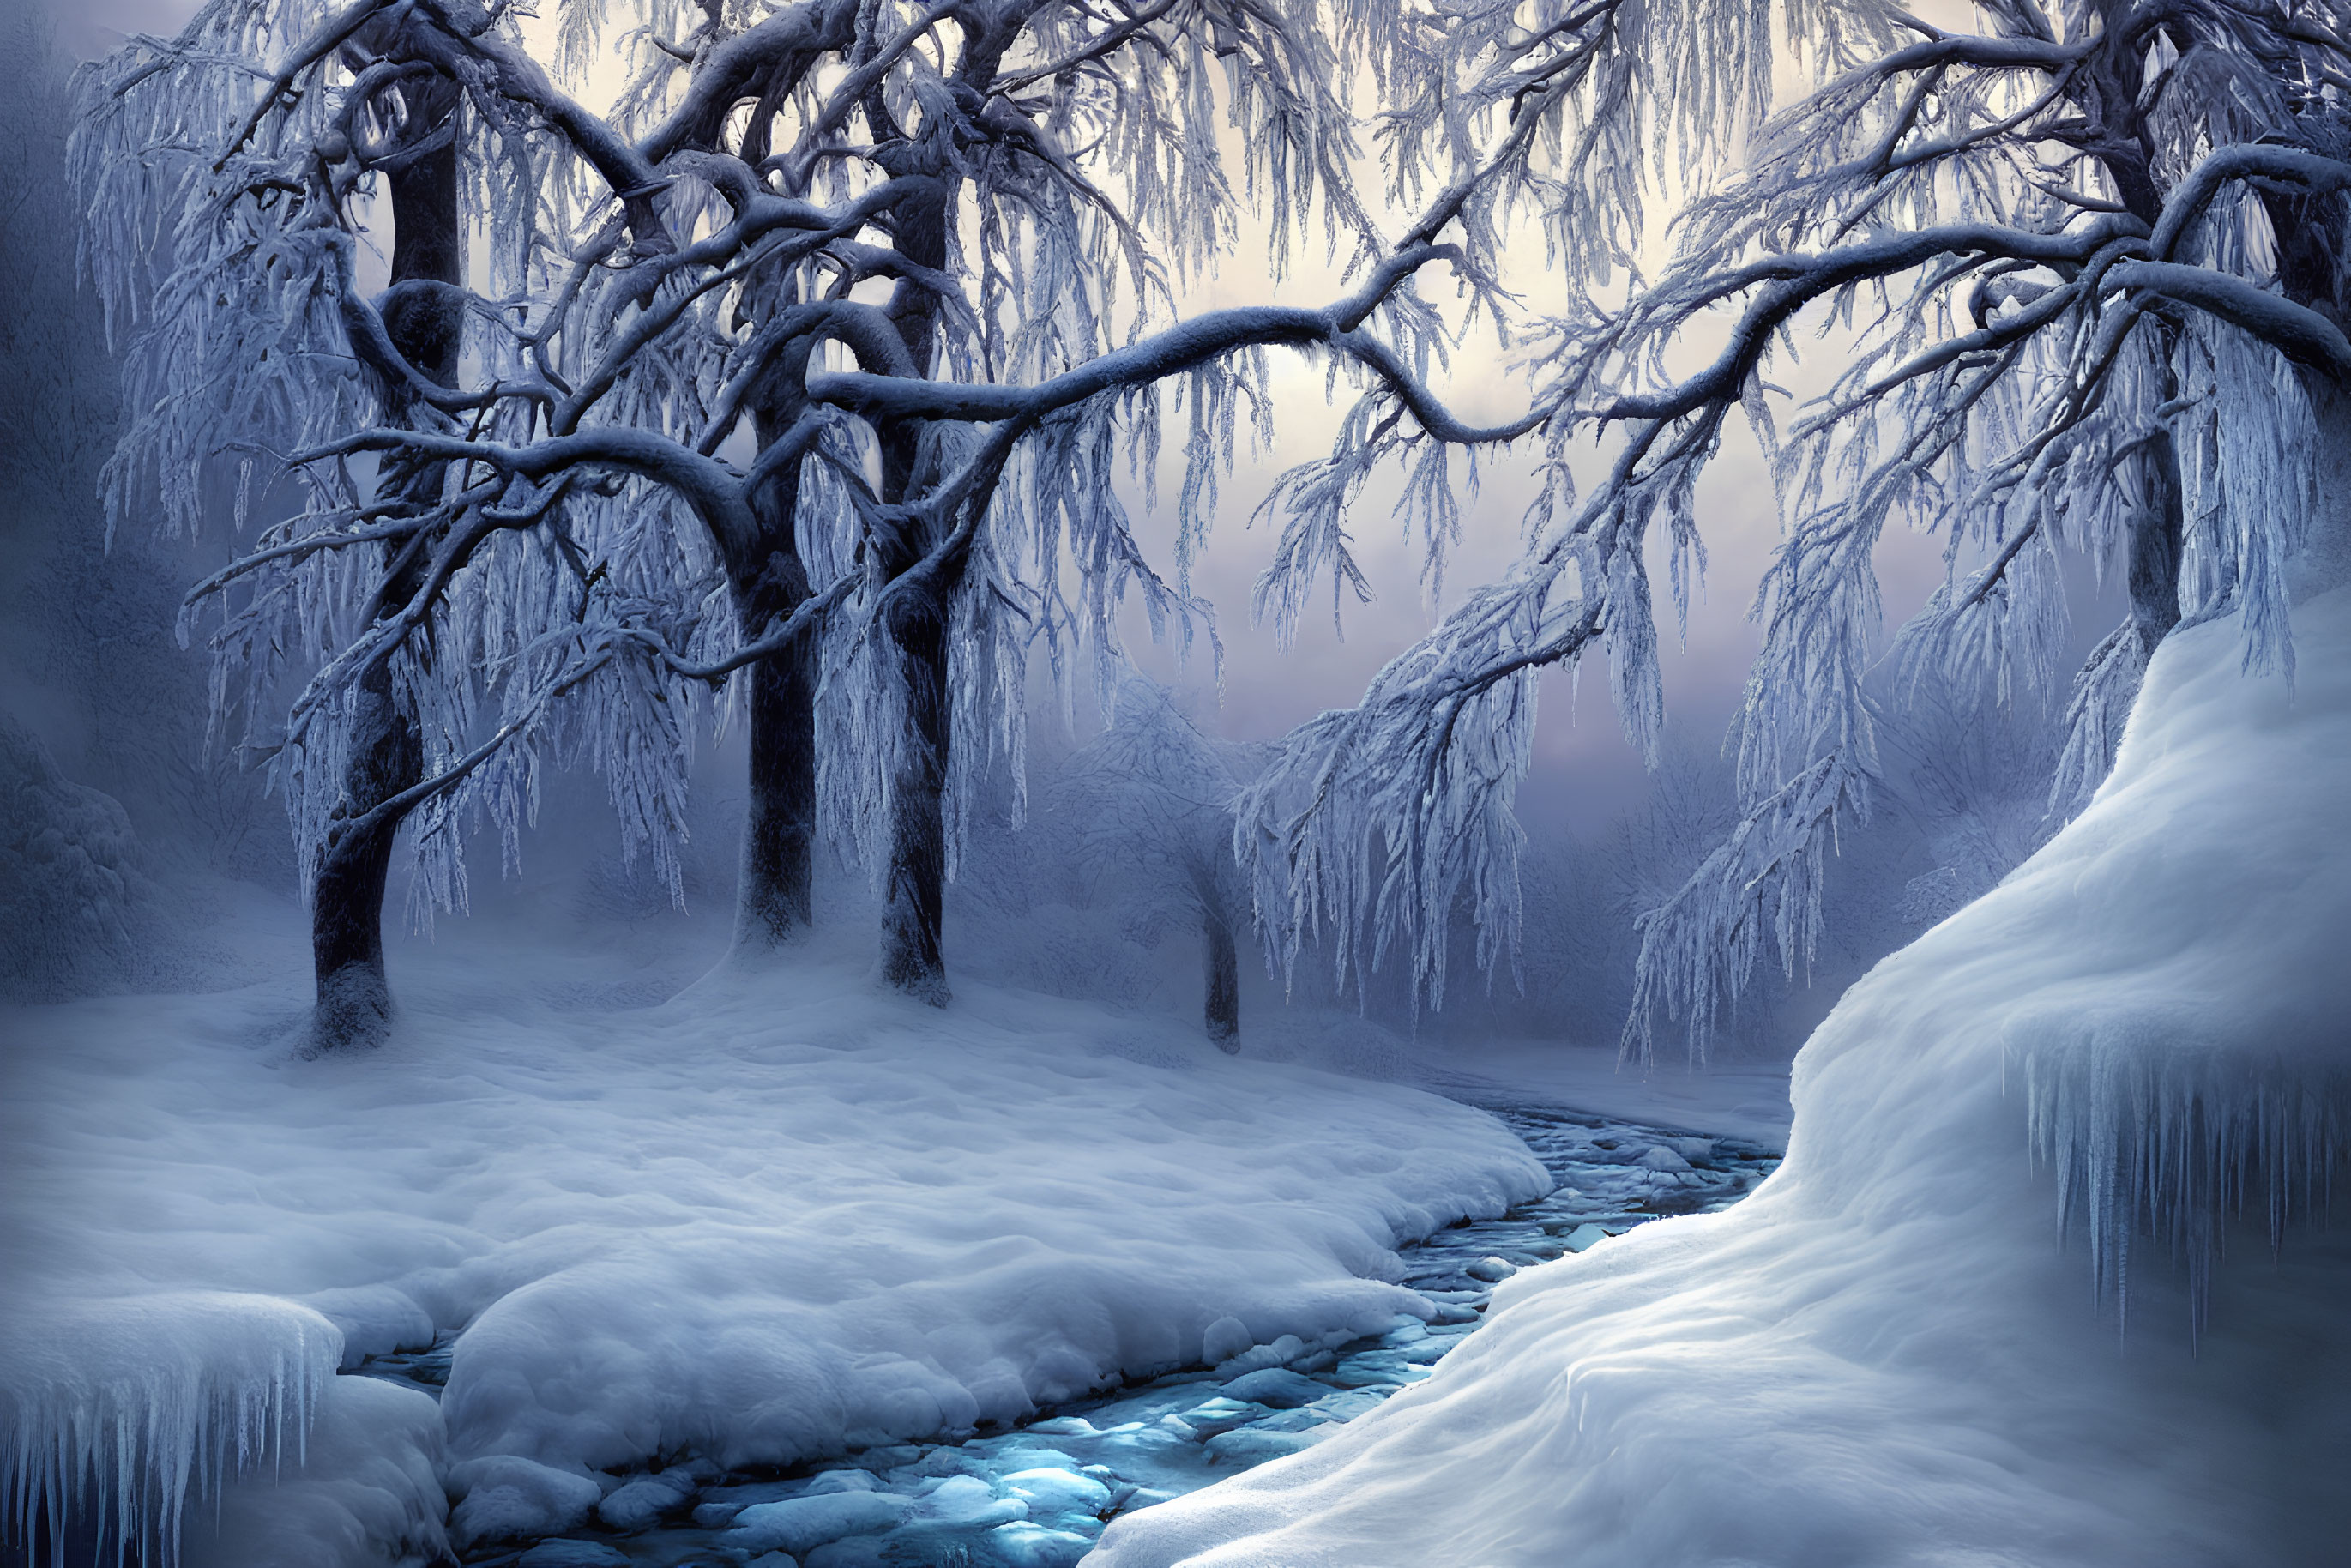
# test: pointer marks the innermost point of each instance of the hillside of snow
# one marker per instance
(768, 1220)
(1895, 1353)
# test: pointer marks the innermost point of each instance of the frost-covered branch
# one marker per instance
(704, 482)
(2055, 260)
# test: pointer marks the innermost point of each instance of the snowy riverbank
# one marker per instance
(1888, 1356)
(765, 1220)
(1039, 1496)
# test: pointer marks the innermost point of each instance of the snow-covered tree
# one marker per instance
(836, 307)
(229, 194)
(1151, 800)
(2078, 270)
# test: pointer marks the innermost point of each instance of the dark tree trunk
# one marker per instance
(915, 894)
(1224, 1011)
(347, 899)
(423, 316)
(773, 904)
(2155, 544)
(917, 623)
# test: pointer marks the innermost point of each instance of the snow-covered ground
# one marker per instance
(1887, 1355)
(768, 1218)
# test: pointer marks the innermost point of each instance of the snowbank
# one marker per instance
(767, 1219)
(367, 1488)
(1886, 1356)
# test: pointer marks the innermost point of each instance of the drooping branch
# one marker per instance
(709, 487)
(803, 623)
(1759, 891)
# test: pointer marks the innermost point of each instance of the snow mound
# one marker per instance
(1886, 1356)
(775, 1217)
(367, 1492)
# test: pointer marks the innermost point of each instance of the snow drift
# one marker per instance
(769, 1219)
(1886, 1356)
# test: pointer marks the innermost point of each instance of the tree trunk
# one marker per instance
(1224, 1011)
(915, 902)
(912, 960)
(386, 750)
(773, 904)
(2155, 544)
(354, 1004)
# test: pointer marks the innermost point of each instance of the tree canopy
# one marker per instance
(2080, 271)
(818, 346)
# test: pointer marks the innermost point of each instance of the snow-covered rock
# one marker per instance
(1886, 1356)
(1276, 1388)
(1224, 1339)
(504, 1497)
(640, 1503)
(967, 1500)
(1279, 1352)
(796, 1525)
(1054, 1489)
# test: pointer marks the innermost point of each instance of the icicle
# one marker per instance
(2172, 1147)
(120, 1413)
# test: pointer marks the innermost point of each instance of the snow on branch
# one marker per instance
(659, 268)
(2033, 310)
(1372, 826)
(2101, 702)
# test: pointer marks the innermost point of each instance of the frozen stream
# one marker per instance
(1037, 1497)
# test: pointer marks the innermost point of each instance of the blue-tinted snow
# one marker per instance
(779, 1217)
(1042, 1495)
(1889, 1356)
